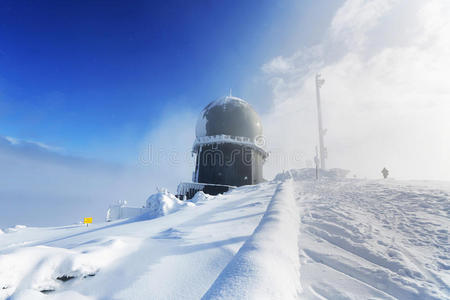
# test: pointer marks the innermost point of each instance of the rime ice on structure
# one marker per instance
(228, 147)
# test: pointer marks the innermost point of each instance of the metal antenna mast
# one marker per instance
(323, 150)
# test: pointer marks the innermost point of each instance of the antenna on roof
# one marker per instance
(230, 92)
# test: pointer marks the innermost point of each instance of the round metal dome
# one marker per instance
(230, 116)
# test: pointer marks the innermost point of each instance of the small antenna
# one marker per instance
(230, 92)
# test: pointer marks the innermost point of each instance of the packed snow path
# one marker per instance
(383, 239)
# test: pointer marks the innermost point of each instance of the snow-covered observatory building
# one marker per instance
(228, 148)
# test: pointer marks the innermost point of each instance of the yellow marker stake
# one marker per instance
(87, 221)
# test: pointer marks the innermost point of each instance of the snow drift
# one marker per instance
(163, 203)
(43, 269)
(157, 205)
(267, 265)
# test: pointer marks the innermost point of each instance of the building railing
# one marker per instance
(190, 188)
(185, 187)
(223, 138)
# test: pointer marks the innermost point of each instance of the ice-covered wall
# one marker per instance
(117, 212)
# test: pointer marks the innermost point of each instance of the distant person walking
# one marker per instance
(385, 173)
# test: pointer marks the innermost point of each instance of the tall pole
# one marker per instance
(316, 162)
(323, 150)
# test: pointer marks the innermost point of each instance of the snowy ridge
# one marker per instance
(267, 265)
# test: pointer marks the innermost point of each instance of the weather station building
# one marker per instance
(229, 148)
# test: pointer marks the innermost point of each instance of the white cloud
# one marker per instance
(384, 105)
(356, 18)
(277, 65)
(27, 143)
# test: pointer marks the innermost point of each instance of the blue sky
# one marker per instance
(86, 87)
(92, 78)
